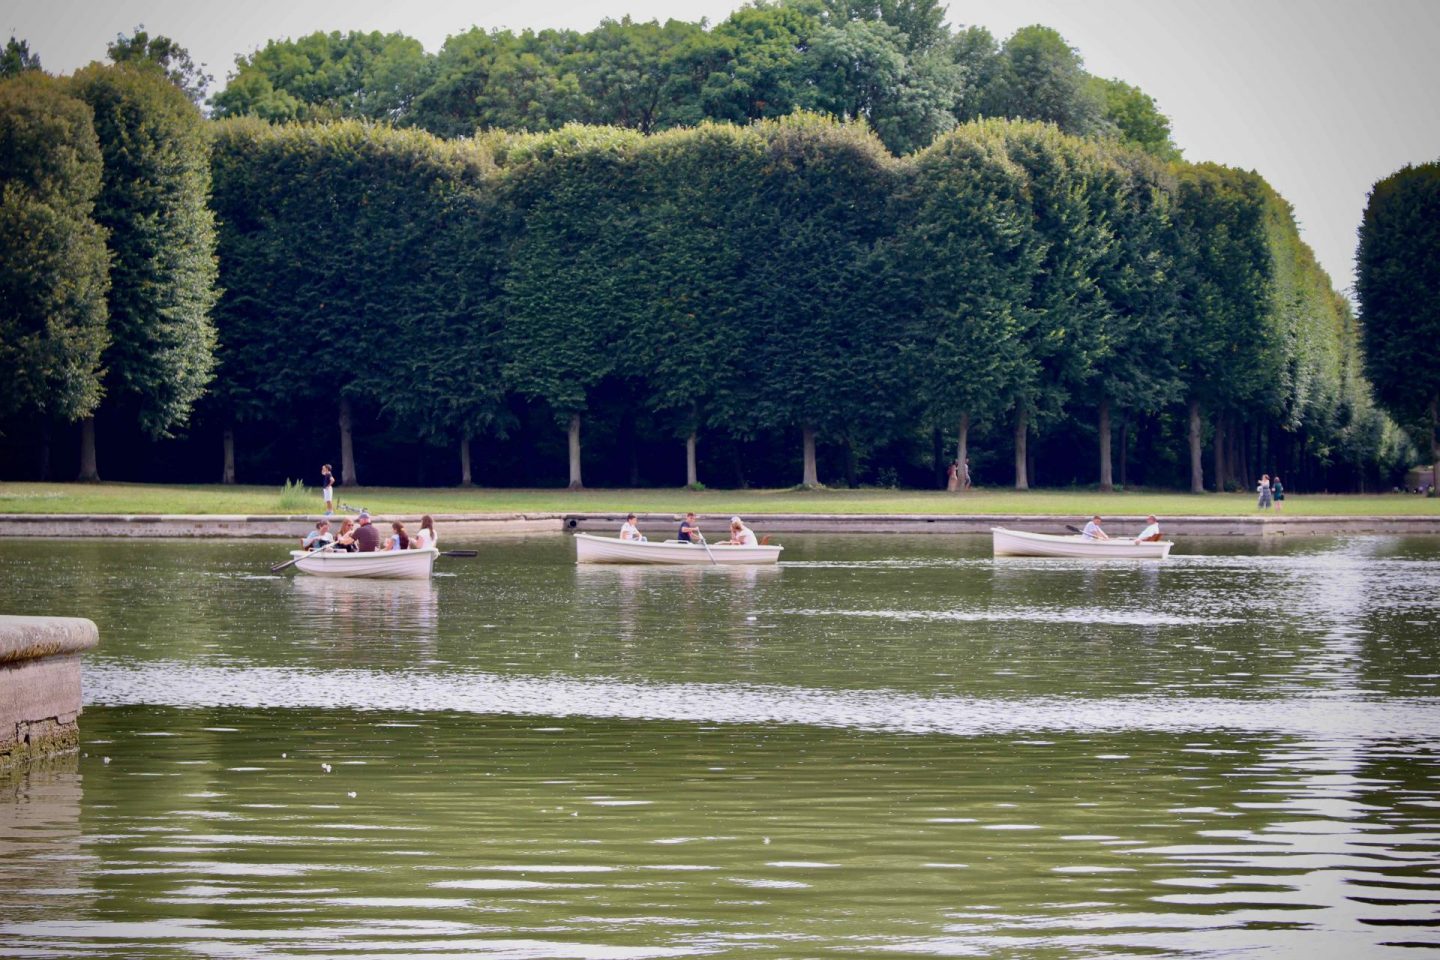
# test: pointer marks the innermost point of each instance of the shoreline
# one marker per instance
(463, 526)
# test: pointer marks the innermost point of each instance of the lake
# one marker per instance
(886, 746)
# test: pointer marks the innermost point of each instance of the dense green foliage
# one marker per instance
(725, 250)
(54, 269)
(1398, 282)
(152, 202)
(895, 65)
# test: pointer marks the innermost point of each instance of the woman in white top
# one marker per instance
(425, 536)
(741, 535)
(628, 530)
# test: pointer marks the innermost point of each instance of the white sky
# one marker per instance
(1322, 97)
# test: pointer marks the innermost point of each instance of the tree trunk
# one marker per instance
(347, 447)
(227, 474)
(1022, 424)
(692, 475)
(811, 479)
(1107, 479)
(1124, 454)
(88, 472)
(1434, 441)
(42, 457)
(1197, 469)
(937, 457)
(575, 483)
(1218, 452)
(962, 447)
(466, 477)
(852, 466)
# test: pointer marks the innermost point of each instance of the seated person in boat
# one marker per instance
(1092, 530)
(689, 529)
(1151, 534)
(345, 540)
(741, 535)
(425, 536)
(628, 530)
(367, 538)
(398, 539)
(317, 538)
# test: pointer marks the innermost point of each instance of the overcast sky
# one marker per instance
(1322, 97)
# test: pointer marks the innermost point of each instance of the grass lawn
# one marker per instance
(134, 498)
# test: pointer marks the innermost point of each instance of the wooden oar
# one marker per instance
(707, 548)
(281, 566)
(460, 553)
(1074, 529)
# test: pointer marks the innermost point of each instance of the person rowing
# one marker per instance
(1151, 534)
(689, 530)
(1092, 530)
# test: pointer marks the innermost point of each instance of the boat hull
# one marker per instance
(592, 549)
(1015, 543)
(380, 565)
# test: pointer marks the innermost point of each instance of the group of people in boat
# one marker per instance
(1151, 533)
(362, 536)
(740, 535)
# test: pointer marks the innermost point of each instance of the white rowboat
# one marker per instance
(1015, 543)
(592, 549)
(379, 565)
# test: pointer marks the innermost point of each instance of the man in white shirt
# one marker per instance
(628, 530)
(1092, 530)
(1150, 534)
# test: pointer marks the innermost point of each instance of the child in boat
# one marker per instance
(399, 539)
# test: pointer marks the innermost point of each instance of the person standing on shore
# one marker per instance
(1262, 493)
(327, 489)
(1277, 493)
(952, 478)
(965, 474)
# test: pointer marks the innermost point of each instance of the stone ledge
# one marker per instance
(34, 638)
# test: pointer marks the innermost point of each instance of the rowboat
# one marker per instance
(1015, 543)
(379, 565)
(592, 549)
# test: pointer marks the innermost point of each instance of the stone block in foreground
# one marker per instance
(40, 684)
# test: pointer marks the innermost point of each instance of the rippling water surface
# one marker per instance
(888, 746)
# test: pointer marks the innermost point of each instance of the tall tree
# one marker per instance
(1041, 77)
(963, 260)
(152, 202)
(54, 268)
(322, 76)
(570, 197)
(17, 58)
(1398, 283)
(166, 55)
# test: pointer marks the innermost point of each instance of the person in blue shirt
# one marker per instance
(689, 529)
(317, 538)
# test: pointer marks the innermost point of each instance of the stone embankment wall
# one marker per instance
(40, 685)
(450, 526)
(1271, 526)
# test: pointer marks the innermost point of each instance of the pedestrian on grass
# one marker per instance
(1277, 493)
(327, 489)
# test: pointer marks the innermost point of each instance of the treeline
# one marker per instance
(785, 301)
(894, 64)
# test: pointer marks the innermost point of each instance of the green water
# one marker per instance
(887, 746)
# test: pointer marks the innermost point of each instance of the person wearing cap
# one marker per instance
(628, 530)
(1151, 534)
(741, 535)
(367, 538)
(1092, 530)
